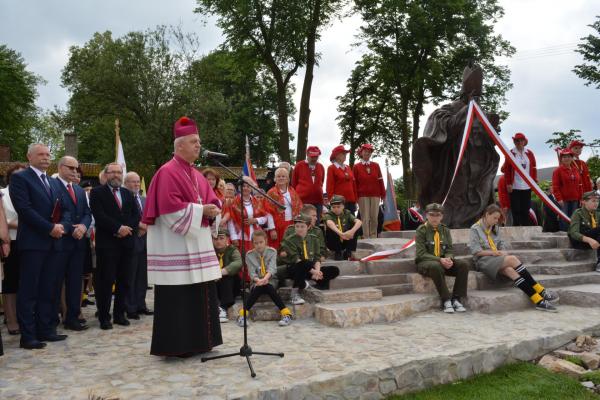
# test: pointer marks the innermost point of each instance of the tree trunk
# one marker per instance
(282, 119)
(405, 148)
(303, 120)
(416, 115)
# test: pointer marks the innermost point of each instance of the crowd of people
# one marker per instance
(63, 240)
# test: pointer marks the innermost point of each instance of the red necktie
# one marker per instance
(71, 193)
(115, 190)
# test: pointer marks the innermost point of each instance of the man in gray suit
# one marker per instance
(136, 301)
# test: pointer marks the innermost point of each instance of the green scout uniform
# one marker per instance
(428, 264)
(293, 246)
(230, 259)
(581, 224)
(313, 230)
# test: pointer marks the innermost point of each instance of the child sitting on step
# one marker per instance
(340, 229)
(262, 266)
(230, 262)
(584, 230)
(435, 259)
(490, 258)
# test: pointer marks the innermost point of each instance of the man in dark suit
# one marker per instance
(117, 218)
(73, 252)
(136, 301)
(43, 220)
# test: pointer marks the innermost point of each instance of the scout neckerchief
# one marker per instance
(304, 248)
(263, 268)
(593, 218)
(221, 259)
(437, 247)
(489, 236)
(340, 227)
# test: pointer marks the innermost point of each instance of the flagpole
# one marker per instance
(117, 138)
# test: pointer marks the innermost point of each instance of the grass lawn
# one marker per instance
(522, 381)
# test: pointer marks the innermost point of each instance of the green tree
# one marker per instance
(590, 50)
(561, 140)
(49, 128)
(282, 35)
(18, 92)
(594, 166)
(418, 50)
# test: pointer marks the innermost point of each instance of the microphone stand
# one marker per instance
(245, 351)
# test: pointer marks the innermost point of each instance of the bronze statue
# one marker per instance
(436, 152)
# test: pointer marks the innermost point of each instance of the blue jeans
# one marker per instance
(568, 208)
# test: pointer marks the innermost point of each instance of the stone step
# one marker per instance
(497, 301)
(269, 312)
(346, 267)
(509, 233)
(586, 295)
(561, 268)
(390, 266)
(550, 281)
(355, 281)
(532, 244)
(557, 240)
(343, 295)
(422, 284)
(388, 309)
(397, 289)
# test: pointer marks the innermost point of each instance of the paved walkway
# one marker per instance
(117, 364)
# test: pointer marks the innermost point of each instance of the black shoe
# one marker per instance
(82, 320)
(87, 302)
(145, 311)
(53, 338)
(32, 345)
(121, 321)
(347, 255)
(545, 306)
(75, 326)
(105, 325)
(132, 315)
(338, 256)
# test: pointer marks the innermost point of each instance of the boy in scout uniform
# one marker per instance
(302, 255)
(313, 229)
(435, 259)
(230, 262)
(340, 229)
(584, 230)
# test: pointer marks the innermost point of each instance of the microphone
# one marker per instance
(213, 154)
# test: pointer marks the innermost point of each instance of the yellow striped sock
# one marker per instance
(538, 288)
(285, 311)
(536, 298)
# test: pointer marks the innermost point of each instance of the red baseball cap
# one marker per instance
(565, 152)
(520, 136)
(576, 143)
(337, 150)
(313, 151)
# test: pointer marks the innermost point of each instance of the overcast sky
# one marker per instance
(546, 97)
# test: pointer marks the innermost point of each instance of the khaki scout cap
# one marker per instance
(434, 208)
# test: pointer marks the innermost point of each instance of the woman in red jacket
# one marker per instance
(284, 194)
(586, 182)
(307, 179)
(370, 190)
(519, 190)
(340, 179)
(254, 216)
(566, 185)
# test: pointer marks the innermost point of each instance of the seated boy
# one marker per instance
(301, 253)
(230, 262)
(262, 266)
(313, 229)
(584, 230)
(340, 229)
(435, 259)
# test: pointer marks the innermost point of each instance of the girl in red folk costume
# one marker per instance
(518, 190)
(340, 179)
(307, 179)
(586, 182)
(213, 180)
(254, 216)
(566, 185)
(370, 190)
(284, 194)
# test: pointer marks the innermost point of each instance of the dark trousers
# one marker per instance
(350, 207)
(37, 295)
(258, 291)
(138, 283)
(520, 203)
(594, 234)
(568, 208)
(300, 272)
(226, 290)
(435, 271)
(70, 272)
(113, 267)
(336, 244)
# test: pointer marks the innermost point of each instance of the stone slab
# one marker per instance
(586, 295)
(355, 281)
(462, 235)
(371, 361)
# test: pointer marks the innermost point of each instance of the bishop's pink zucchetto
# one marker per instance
(184, 126)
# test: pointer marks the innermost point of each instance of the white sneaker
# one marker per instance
(285, 320)
(240, 321)
(222, 315)
(457, 306)
(296, 299)
(448, 307)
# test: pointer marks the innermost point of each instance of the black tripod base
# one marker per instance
(245, 351)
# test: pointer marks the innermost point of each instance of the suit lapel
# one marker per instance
(39, 184)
